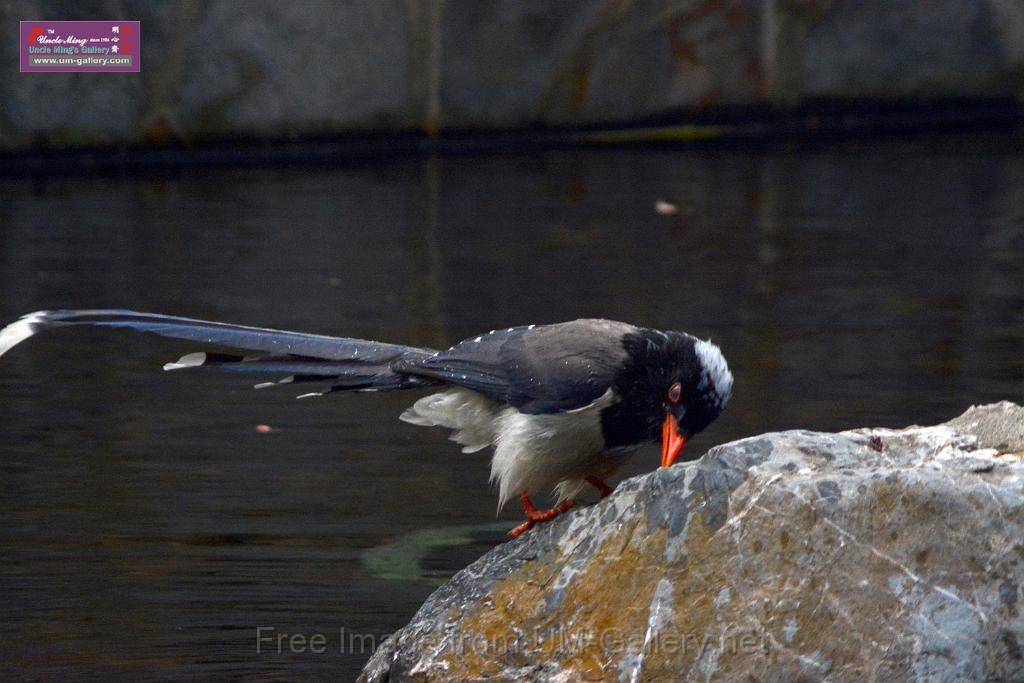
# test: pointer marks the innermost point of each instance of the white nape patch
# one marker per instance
(20, 330)
(716, 370)
(470, 415)
(189, 360)
(537, 453)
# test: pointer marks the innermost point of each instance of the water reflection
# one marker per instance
(148, 526)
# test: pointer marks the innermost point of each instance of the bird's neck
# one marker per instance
(637, 416)
(623, 427)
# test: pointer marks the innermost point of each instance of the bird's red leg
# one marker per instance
(604, 488)
(533, 515)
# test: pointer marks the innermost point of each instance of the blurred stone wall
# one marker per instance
(224, 68)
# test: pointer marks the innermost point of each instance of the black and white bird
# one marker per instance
(563, 405)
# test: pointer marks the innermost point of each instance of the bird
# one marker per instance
(563, 405)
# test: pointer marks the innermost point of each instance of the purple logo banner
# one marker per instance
(63, 46)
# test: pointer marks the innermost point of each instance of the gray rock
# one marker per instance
(998, 426)
(874, 553)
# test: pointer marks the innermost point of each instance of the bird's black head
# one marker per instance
(676, 384)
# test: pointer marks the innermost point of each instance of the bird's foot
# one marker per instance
(602, 487)
(535, 516)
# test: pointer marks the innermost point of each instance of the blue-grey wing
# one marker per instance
(536, 368)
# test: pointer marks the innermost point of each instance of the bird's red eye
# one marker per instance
(675, 392)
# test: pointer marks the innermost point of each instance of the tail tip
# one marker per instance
(21, 329)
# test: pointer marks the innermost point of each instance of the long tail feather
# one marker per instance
(217, 334)
(340, 375)
(344, 364)
(295, 365)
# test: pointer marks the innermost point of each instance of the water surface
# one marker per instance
(149, 528)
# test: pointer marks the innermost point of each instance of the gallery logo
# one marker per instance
(63, 46)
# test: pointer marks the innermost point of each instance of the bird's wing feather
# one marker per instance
(536, 369)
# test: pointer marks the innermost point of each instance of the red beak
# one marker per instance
(672, 441)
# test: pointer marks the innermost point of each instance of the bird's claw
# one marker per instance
(535, 516)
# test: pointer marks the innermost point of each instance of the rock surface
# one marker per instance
(212, 70)
(869, 554)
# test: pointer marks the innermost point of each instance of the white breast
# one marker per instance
(533, 453)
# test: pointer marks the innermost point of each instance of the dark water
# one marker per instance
(148, 528)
